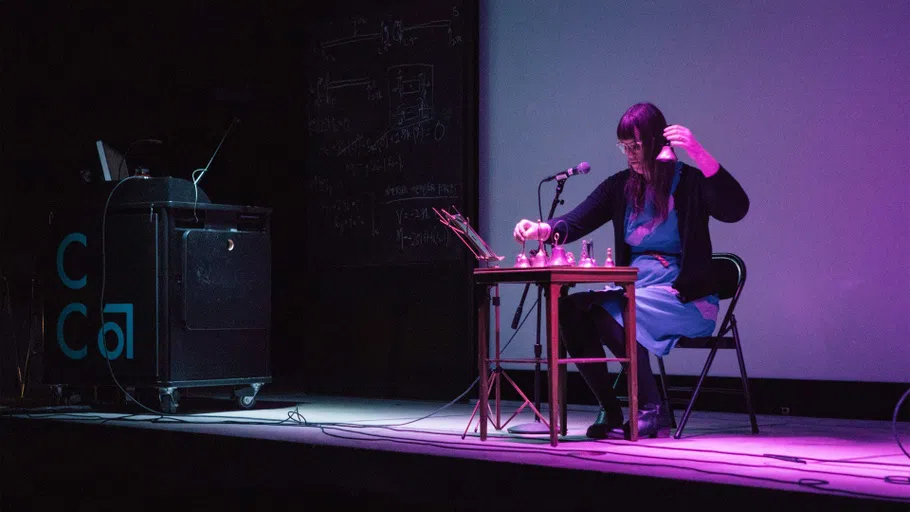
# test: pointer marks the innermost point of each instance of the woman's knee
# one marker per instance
(567, 306)
(573, 328)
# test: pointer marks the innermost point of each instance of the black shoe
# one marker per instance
(605, 423)
(651, 423)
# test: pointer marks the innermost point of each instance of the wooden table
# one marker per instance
(554, 280)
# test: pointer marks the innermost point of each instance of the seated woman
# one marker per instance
(660, 210)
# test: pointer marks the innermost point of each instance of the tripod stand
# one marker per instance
(495, 373)
(482, 251)
(537, 427)
(7, 312)
(35, 314)
(8, 321)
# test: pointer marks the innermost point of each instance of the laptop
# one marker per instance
(113, 165)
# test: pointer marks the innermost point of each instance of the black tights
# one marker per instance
(584, 334)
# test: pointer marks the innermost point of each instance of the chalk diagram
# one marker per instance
(410, 94)
(409, 86)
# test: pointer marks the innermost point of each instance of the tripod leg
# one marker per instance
(10, 324)
(494, 377)
(524, 397)
(2, 298)
(31, 339)
(494, 383)
(12, 327)
(470, 420)
(516, 413)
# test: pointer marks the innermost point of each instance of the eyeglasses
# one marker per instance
(629, 147)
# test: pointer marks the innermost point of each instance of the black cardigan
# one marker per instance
(696, 198)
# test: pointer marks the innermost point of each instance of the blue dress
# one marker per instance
(661, 318)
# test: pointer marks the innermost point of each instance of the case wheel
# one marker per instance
(246, 395)
(246, 402)
(168, 400)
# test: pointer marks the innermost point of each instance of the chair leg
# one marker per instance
(742, 372)
(701, 380)
(663, 389)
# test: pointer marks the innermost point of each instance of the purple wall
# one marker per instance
(806, 104)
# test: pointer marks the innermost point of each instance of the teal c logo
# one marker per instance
(75, 307)
(124, 339)
(72, 284)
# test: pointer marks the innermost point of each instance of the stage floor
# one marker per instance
(792, 457)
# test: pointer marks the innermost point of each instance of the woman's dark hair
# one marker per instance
(658, 176)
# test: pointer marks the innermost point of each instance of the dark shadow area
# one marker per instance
(103, 467)
(181, 75)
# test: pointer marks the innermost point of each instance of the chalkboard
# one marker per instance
(391, 128)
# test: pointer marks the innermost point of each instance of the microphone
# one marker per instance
(582, 168)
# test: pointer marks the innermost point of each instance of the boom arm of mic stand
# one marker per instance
(524, 294)
(521, 303)
(556, 200)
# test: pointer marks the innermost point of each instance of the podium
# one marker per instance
(149, 283)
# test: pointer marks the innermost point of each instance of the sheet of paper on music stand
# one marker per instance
(467, 234)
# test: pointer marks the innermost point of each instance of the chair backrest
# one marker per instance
(729, 276)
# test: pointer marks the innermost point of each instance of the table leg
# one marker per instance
(632, 352)
(552, 358)
(483, 321)
(496, 380)
(563, 369)
(563, 407)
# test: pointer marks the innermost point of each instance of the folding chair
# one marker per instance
(730, 276)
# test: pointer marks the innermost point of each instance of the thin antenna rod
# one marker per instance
(235, 121)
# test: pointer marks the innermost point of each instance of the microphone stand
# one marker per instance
(536, 427)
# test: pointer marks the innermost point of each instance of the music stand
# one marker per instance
(460, 225)
(482, 251)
